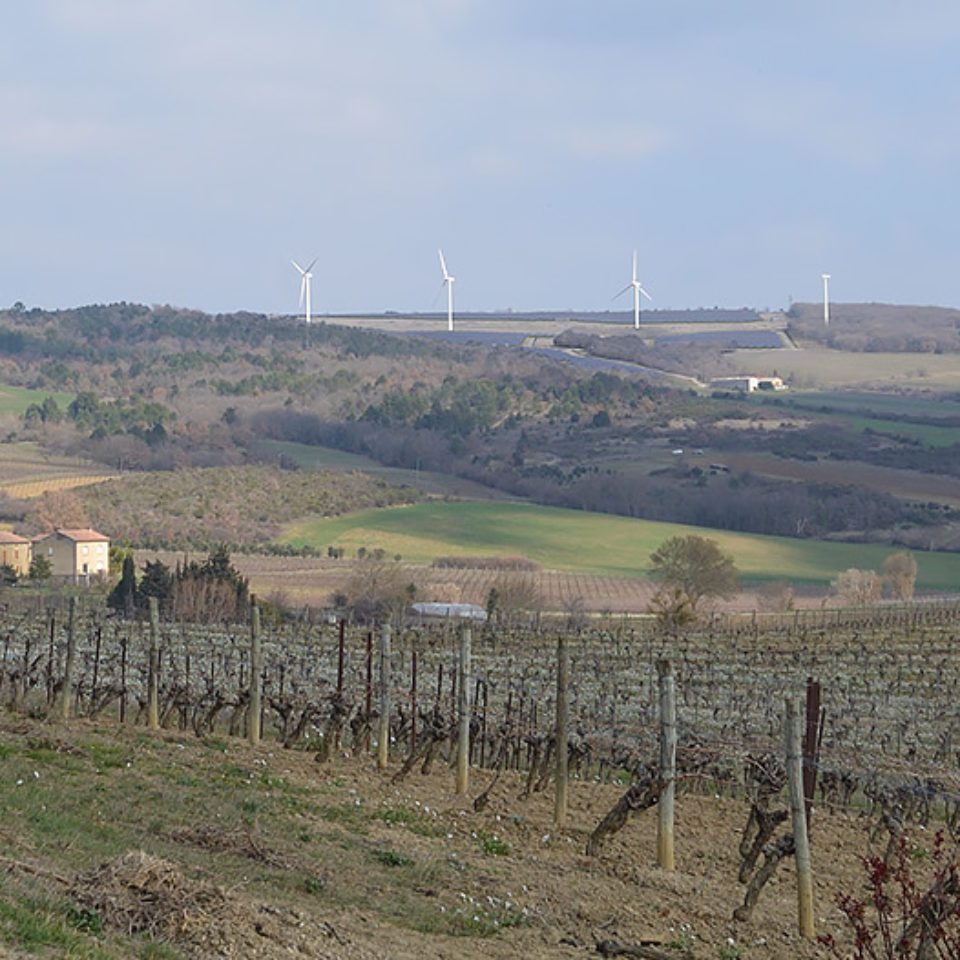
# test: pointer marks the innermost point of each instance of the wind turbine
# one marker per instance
(305, 277)
(637, 291)
(825, 277)
(448, 281)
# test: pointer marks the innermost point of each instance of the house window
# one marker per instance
(50, 551)
(85, 549)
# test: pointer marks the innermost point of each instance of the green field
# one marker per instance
(601, 544)
(17, 399)
(311, 457)
(928, 435)
(928, 406)
(866, 411)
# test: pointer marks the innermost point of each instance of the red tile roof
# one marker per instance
(82, 535)
(6, 537)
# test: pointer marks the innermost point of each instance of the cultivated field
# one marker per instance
(27, 471)
(599, 544)
(925, 405)
(315, 581)
(818, 367)
(16, 399)
(908, 484)
(307, 457)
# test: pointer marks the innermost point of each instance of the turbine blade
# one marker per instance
(303, 289)
(644, 292)
(634, 266)
(443, 265)
(310, 265)
(297, 265)
(629, 286)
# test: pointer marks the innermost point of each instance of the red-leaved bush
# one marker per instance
(901, 917)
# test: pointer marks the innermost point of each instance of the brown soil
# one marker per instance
(900, 483)
(509, 863)
(572, 902)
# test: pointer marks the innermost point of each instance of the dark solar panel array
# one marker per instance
(713, 315)
(755, 339)
(487, 338)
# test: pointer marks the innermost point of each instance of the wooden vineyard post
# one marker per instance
(256, 668)
(368, 693)
(383, 743)
(668, 764)
(811, 746)
(463, 712)
(50, 662)
(799, 819)
(123, 680)
(563, 716)
(96, 671)
(153, 668)
(413, 698)
(67, 692)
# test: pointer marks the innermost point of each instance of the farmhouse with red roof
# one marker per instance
(77, 554)
(15, 553)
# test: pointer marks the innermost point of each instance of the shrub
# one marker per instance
(485, 563)
(903, 917)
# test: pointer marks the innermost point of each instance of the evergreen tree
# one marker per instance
(124, 595)
(40, 568)
(157, 581)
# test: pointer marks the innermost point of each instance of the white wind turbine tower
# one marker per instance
(305, 277)
(448, 281)
(825, 277)
(637, 291)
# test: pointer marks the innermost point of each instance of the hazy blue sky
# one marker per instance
(182, 151)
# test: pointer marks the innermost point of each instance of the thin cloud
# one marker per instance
(617, 143)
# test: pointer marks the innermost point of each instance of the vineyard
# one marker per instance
(890, 687)
(315, 581)
(887, 747)
(27, 472)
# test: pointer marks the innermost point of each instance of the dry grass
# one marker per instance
(825, 369)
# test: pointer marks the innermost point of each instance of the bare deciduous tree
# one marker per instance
(775, 595)
(516, 594)
(377, 587)
(858, 588)
(900, 575)
(58, 509)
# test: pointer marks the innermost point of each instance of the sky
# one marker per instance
(184, 151)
